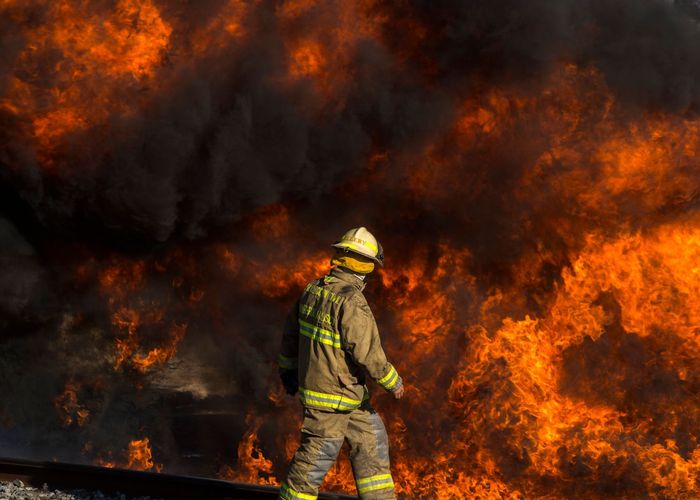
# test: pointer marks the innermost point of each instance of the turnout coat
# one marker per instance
(331, 339)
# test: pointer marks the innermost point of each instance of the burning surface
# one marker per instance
(172, 173)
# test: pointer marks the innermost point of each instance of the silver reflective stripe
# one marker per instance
(326, 458)
(381, 436)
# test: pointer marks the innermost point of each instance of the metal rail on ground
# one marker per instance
(135, 483)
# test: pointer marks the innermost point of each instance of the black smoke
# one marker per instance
(226, 138)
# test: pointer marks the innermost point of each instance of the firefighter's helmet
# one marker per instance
(362, 242)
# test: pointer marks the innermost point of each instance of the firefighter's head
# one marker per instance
(359, 251)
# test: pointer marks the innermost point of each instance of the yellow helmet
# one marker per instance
(362, 242)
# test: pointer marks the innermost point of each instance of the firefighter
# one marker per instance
(330, 342)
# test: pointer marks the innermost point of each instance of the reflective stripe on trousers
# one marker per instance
(323, 434)
(372, 483)
(370, 459)
(288, 493)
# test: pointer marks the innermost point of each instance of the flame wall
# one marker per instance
(173, 172)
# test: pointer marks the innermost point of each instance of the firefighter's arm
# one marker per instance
(360, 337)
(289, 352)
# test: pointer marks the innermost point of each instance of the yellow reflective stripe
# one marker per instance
(370, 479)
(389, 380)
(329, 398)
(326, 400)
(333, 406)
(376, 487)
(319, 334)
(378, 482)
(321, 330)
(388, 375)
(317, 338)
(288, 493)
(285, 362)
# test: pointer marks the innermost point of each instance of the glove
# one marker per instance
(398, 390)
(290, 381)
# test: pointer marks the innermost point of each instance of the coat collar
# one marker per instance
(348, 277)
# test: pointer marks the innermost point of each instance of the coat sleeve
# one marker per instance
(289, 350)
(360, 337)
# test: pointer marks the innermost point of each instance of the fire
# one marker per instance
(229, 260)
(540, 224)
(160, 355)
(528, 410)
(430, 312)
(120, 282)
(125, 46)
(549, 422)
(286, 279)
(137, 456)
(140, 456)
(307, 60)
(69, 409)
(227, 26)
(120, 278)
(339, 477)
(271, 222)
(321, 53)
(252, 466)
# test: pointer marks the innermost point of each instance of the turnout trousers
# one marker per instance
(322, 435)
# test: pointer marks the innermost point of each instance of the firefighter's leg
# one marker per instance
(322, 436)
(369, 454)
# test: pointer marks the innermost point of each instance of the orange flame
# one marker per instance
(140, 456)
(518, 386)
(125, 46)
(251, 466)
(68, 408)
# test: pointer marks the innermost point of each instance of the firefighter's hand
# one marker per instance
(289, 381)
(398, 392)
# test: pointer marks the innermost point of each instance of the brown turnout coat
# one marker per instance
(332, 339)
